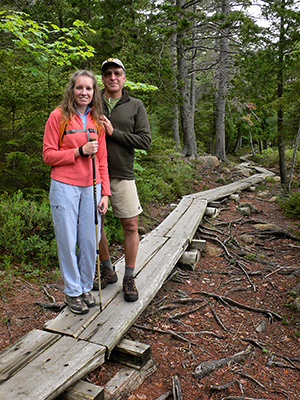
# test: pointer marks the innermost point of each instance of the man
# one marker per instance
(127, 128)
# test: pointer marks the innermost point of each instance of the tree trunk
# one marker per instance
(288, 186)
(189, 139)
(222, 87)
(175, 110)
(280, 139)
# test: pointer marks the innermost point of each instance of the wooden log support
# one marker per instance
(234, 196)
(189, 259)
(212, 212)
(131, 353)
(198, 244)
(127, 380)
(215, 204)
(83, 390)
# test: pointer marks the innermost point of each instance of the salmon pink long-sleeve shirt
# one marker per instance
(66, 167)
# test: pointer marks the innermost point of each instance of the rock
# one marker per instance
(244, 211)
(296, 289)
(247, 209)
(266, 227)
(248, 239)
(273, 199)
(261, 326)
(252, 207)
(209, 161)
(297, 304)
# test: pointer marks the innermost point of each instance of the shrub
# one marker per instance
(291, 204)
(26, 230)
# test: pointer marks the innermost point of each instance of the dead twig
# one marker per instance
(230, 257)
(222, 387)
(271, 363)
(49, 295)
(244, 375)
(182, 314)
(214, 313)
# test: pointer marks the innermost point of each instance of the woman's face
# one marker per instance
(83, 91)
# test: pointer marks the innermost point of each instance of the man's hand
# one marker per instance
(107, 125)
(103, 205)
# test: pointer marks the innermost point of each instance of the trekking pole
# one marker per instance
(93, 156)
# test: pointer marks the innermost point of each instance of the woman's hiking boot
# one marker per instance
(76, 304)
(107, 277)
(89, 299)
(129, 289)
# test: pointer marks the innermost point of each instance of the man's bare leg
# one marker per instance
(131, 240)
(131, 245)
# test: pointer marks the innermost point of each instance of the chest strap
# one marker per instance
(87, 131)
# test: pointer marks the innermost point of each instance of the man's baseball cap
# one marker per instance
(114, 61)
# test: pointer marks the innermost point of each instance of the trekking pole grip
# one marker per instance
(94, 154)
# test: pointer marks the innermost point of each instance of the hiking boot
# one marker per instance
(89, 299)
(129, 289)
(107, 277)
(76, 304)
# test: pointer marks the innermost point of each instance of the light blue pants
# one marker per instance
(73, 214)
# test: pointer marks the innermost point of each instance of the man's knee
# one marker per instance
(130, 225)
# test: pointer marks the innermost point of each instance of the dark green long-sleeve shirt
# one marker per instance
(131, 131)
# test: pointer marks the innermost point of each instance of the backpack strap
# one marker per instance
(62, 130)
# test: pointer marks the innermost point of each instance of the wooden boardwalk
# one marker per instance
(44, 363)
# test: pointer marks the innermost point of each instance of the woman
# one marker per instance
(67, 147)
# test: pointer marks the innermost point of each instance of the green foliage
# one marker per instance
(269, 157)
(164, 175)
(113, 228)
(26, 231)
(291, 204)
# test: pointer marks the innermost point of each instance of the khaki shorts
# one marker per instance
(124, 198)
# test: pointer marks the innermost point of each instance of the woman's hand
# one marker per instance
(107, 125)
(103, 205)
(90, 148)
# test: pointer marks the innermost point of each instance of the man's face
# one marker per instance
(113, 79)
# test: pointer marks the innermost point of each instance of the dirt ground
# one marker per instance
(237, 299)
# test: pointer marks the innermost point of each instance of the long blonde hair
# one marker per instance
(68, 103)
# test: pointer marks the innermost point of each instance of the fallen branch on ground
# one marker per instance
(164, 396)
(177, 394)
(51, 306)
(206, 367)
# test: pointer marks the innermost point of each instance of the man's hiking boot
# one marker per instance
(76, 304)
(107, 277)
(89, 299)
(129, 289)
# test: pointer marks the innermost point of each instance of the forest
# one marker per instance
(213, 77)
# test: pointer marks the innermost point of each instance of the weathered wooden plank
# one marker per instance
(127, 380)
(83, 390)
(73, 324)
(131, 353)
(109, 326)
(148, 246)
(17, 355)
(53, 371)
(172, 218)
(187, 225)
(224, 191)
